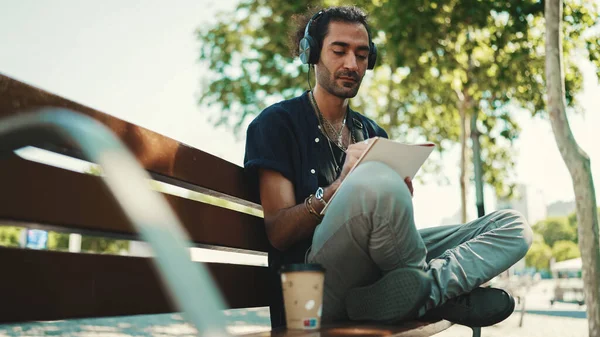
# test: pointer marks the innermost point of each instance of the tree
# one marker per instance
(539, 254)
(94, 244)
(555, 229)
(58, 241)
(572, 218)
(565, 250)
(441, 64)
(9, 236)
(577, 161)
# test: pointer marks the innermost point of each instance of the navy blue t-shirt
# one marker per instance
(285, 137)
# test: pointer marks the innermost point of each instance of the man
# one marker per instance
(379, 267)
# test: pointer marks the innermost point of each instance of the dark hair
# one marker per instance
(320, 27)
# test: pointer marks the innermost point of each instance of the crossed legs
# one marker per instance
(369, 231)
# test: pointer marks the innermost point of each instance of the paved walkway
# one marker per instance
(533, 326)
(541, 319)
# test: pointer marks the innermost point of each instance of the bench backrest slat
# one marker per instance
(49, 285)
(79, 201)
(156, 153)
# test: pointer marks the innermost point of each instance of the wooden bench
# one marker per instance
(42, 285)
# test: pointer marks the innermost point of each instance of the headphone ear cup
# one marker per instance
(372, 56)
(304, 51)
(309, 51)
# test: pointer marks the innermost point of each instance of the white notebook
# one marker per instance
(406, 159)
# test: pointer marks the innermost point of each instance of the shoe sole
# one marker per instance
(395, 297)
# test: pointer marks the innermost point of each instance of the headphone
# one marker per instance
(310, 51)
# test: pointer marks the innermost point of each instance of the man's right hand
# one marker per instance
(353, 153)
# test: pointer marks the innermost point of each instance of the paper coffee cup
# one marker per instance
(302, 286)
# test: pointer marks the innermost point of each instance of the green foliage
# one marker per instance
(556, 229)
(103, 245)
(572, 220)
(208, 199)
(94, 169)
(539, 255)
(58, 241)
(9, 236)
(91, 244)
(433, 56)
(565, 250)
(554, 237)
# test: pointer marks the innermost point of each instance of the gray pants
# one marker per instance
(369, 230)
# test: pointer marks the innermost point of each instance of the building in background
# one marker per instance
(528, 201)
(560, 208)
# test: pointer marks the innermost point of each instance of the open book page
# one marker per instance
(406, 159)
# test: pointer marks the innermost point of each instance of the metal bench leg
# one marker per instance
(476, 332)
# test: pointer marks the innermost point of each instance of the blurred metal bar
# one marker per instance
(190, 286)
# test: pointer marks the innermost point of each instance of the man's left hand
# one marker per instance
(409, 184)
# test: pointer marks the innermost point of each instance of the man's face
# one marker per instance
(344, 59)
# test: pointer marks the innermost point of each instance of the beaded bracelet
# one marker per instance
(310, 208)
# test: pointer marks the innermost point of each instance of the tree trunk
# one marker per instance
(466, 110)
(477, 167)
(392, 109)
(577, 162)
(463, 157)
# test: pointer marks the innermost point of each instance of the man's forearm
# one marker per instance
(289, 226)
(293, 224)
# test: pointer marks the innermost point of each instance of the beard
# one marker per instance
(342, 89)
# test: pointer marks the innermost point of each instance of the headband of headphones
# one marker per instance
(310, 51)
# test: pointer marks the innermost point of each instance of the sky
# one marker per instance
(138, 61)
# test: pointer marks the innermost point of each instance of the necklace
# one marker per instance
(321, 128)
(338, 134)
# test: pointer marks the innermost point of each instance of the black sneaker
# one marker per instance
(395, 297)
(481, 307)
